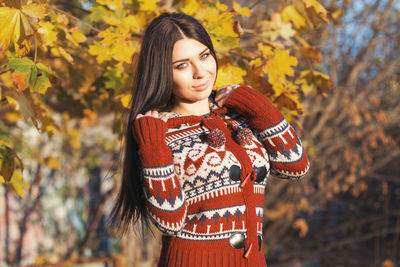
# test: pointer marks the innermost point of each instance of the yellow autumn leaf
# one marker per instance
(257, 62)
(58, 51)
(101, 52)
(229, 74)
(318, 8)
(53, 163)
(2, 179)
(266, 50)
(48, 32)
(112, 20)
(221, 7)
(135, 23)
(276, 27)
(17, 183)
(279, 66)
(243, 11)
(11, 117)
(123, 52)
(148, 5)
(290, 13)
(111, 4)
(125, 100)
(109, 36)
(190, 7)
(18, 24)
(77, 35)
(313, 81)
(22, 48)
(336, 14)
(74, 137)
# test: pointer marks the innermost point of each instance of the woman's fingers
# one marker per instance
(223, 94)
(153, 113)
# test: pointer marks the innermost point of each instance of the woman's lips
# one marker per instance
(202, 86)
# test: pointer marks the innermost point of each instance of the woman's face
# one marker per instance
(194, 71)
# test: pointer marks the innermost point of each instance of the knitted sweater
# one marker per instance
(205, 177)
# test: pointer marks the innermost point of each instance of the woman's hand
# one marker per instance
(223, 93)
(153, 113)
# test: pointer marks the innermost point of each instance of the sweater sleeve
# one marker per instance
(164, 195)
(287, 155)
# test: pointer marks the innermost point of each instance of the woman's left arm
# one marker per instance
(287, 155)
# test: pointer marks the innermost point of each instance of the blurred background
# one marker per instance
(331, 67)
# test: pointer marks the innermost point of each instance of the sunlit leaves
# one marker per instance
(19, 24)
(313, 82)
(243, 11)
(190, 7)
(277, 68)
(314, 7)
(275, 27)
(229, 74)
(36, 75)
(148, 5)
(289, 13)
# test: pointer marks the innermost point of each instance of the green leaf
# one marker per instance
(98, 13)
(20, 64)
(38, 79)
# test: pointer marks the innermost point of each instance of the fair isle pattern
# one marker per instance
(203, 174)
(284, 148)
(164, 197)
(220, 223)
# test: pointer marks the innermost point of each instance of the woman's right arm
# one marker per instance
(164, 195)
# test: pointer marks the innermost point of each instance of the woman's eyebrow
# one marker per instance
(186, 59)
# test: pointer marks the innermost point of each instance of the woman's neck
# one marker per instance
(198, 108)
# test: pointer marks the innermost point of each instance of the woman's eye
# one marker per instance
(205, 55)
(181, 66)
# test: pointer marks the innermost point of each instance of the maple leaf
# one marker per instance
(317, 7)
(279, 66)
(266, 50)
(18, 24)
(148, 5)
(276, 27)
(313, 81)
(125, 99)
(290, 13)
(242, 11)
(190, 7)
(229, 74)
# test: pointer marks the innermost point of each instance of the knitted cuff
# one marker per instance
(149, 133)
(255, 106)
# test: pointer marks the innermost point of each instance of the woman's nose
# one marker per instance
(198, 71)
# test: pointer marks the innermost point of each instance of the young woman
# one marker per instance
(196, 160)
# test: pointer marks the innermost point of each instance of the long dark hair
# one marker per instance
(152, 89)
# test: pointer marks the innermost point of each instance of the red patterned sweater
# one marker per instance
(205, 177)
